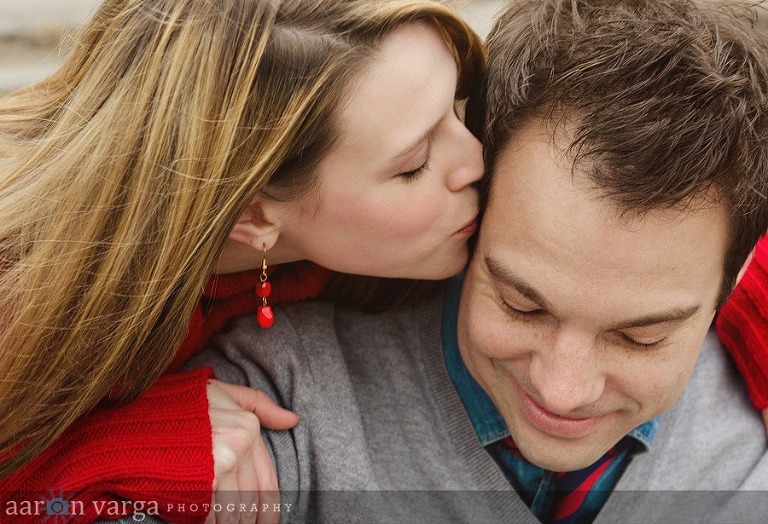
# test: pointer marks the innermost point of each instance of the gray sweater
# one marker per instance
(384, 437)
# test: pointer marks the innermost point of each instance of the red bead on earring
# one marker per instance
(264, 314)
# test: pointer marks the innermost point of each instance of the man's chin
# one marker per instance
(556, 455)
(548, 462)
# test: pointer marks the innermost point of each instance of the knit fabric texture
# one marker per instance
(742, 325)
(158, 448)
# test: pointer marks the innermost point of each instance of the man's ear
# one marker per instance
(259, 226)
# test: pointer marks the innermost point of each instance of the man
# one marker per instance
(628, 142)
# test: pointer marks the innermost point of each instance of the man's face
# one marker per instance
(579, 323)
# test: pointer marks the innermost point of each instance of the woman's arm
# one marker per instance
(155, 448)
(742, 324)
(187, 443)
(183, 443)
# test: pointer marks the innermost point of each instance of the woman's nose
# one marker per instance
(468, 159)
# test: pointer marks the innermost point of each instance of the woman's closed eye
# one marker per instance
(414, 173)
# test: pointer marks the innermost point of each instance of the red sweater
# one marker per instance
(742, 325)
(157, 449)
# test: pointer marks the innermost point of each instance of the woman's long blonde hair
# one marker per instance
(122, 175)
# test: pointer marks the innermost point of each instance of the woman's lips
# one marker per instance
(555, 425)
(469, 229)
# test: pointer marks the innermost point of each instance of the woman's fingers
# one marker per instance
(270, 414)
(245, 482)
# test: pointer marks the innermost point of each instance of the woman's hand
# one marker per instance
(244, 473)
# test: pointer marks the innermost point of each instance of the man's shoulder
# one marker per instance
(322, 324)
(715, 400)
(710, 441)
(711, 438)
(315, 335)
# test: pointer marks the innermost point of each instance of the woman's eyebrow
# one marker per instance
(411, 148)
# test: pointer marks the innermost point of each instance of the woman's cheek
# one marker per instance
(422, 215)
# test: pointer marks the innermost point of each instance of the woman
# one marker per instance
(185, 137)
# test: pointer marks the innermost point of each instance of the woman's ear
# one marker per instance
(259, 226)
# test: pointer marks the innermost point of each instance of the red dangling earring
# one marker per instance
(264, 314)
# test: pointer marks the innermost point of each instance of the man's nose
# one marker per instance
(567, 375)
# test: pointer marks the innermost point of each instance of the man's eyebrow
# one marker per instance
(503, 275)
(678, 314)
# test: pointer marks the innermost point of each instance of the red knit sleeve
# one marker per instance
(742, 324)
(155, 451)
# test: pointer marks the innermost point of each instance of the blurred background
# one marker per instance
(34, 33)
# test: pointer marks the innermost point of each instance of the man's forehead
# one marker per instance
(551, 221)
(551, 143)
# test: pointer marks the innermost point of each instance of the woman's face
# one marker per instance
(395, 196)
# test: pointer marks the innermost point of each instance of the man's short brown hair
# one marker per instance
(668, 99)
